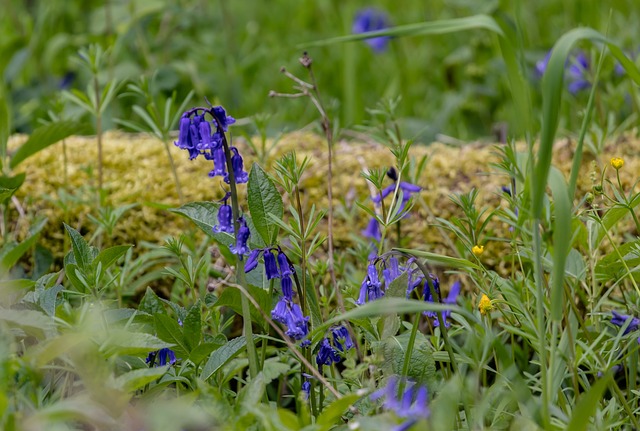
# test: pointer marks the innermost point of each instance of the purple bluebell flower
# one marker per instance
(206, 141)
(240, 248)
(219, 163)
(327, 355)
(451, 299)
(252, 260)
(372, 230)
(163, 356)
(306, 388)
(412, 404)
(184, 134)
(541, 65)
(222, 118)
(270, 265)
(238, 168)
(341, 338)
(296, 323)
(415, 280)
(371, 288)
(287, 287)
(279, 312)
(286, 269)
(392, 271)
(371, 19)
(407, 189)
(578, 72)
(225, 223)
(619, 319)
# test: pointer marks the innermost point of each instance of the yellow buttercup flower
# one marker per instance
(617, 163)
(485, 305)
(477, 250)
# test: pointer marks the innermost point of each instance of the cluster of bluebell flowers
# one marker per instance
(371, 19)
(286, 310)
(412, 405)
(328, 352)
(201, 136)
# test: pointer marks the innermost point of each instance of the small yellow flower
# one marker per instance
(477, 250)
(485, 305)
(617, 163)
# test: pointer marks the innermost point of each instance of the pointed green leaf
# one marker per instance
(81, 250)
(223, 355)
(192, 326)
(44, 136)
(110, 255)
(170, 331)
(9, 185)
(151, 304)
(137, 379)
(264, 199)
(587, 404)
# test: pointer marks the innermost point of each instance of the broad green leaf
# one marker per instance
(44, 136)
(222, 355)
(151, 304)
(192, 326)
(251, 395)
(110, 255)
(398, 287)
(124, 342)
(30, 321)
(562, 233)
(81, 250)
(47, 299)
(611, 217)
(273, 368)
(170, 331)
(587, 404)
(199, 353)
(332, 414)
(9, 185)
(72, 272)
(452, 262)
(422, 368)
(137, 379)
(232, 298)
(264, 199)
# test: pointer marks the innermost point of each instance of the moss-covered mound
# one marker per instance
(137, 170)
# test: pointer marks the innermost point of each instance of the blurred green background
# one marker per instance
(231, 52)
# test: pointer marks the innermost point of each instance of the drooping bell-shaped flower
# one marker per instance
(242, 236)
(252, 260)
(326, 354)
(371, 19)
(238, 168)
(619, 319)
(371, 288)
(161, 357)
(286, 269)
(184, 135)
(225, 223)
(287, 287)
(219, 163)
(270, 265)
(412, 404)
(341, 338)
(372, 230)
(296, 323)
(222, 118)
(206, 142)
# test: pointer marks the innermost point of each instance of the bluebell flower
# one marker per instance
(225, 223)
(296, 323)
(286, 269)
(541, 65)
(578, 73)
(407, 189)
(415, 280)
(371, 288)
(412, 404)
(221, 117)
(451, 299)
(279, 312)
(238, 168)
(240, 247)
(252, 260)
(341, 338)
(306, 388)
(327, 355)
(287, 287)
(219, 163)
(184, 134)
(163, 356)
(372, 230)
(270, 265)
(392, 271)
(619, 319)
(371, 19)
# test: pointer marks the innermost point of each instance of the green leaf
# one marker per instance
(222, 355)
(199, 353)
(192, 326)
(9, 185)
(422, 367)
(332, 414)
(443, 26)
(452, 262)
(10, 258)
(124, 342)
(30, 321)
(47, 299)
(151, 304)
(232, 298)
(587, 405)
(71, 270)
(44, 136)
(562, 233)
(81, 250)
(264, 199)
(137, 379)
(170, 331)
(110, 255)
